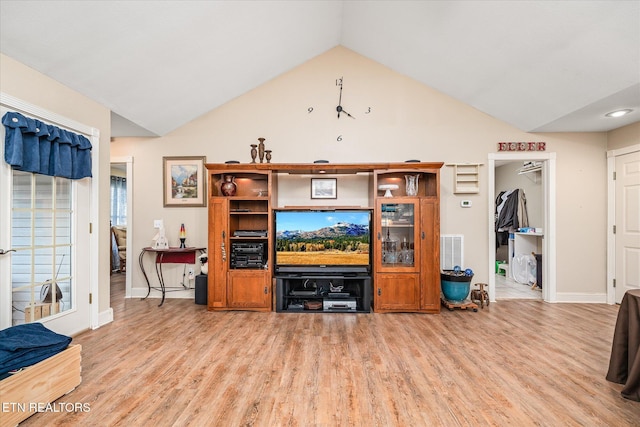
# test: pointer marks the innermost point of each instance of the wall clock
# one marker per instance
(342, 112)
(339, 108)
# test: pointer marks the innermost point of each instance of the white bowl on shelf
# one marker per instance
(387, 189)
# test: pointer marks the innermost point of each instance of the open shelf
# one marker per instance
(466, 178)
(333, 294)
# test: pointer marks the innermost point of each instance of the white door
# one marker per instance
(46, 221)
(627, 237)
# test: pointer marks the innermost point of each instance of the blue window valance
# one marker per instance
(33, 146)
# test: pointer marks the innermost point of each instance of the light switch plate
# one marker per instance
(465, 203)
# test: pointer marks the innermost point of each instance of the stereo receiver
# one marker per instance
(248, 255)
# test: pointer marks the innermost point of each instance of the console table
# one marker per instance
(167, 256)
(624, 365)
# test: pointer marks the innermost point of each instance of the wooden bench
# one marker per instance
(39, 384)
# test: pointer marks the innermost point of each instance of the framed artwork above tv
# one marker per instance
(324, 188)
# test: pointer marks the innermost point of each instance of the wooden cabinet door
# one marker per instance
(249, 289)
(430, 255)
(218, 259)
(397, 292)
(397, 242)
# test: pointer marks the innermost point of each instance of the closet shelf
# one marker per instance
(529, 170)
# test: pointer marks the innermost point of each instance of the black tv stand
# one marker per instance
(323, 293)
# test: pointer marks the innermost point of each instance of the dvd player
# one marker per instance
(339, 294)
(339, 305)
(302, 293)
(250, 233)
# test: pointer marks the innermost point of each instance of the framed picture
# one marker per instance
(324, 188)
(184, 182)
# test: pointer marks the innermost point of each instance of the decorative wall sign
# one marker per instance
(522, 146)
(184, 182)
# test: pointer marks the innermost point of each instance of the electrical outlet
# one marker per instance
(157, 223)
(191, 276)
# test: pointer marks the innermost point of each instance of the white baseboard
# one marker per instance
(581, 298)
(105, 317)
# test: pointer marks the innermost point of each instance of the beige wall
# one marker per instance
(624, 137)
(24, 83)
(408, 121)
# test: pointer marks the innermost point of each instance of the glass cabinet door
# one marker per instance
(397, 235)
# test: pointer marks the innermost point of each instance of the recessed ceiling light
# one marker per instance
(619, 113)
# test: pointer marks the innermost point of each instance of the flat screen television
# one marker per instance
(323, 241)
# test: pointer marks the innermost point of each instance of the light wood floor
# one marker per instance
(507, 288)
(516, 363)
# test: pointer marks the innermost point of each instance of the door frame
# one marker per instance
(549, 291)
(611, 216)
(128, 161)
(94, 136)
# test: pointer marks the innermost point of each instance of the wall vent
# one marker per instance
(451, 251)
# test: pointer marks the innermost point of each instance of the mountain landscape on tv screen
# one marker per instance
(341, 229)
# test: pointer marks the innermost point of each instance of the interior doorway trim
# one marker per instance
(128, 161)
(611, 217)
(549, 292)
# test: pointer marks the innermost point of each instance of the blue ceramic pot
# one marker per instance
(455, 287)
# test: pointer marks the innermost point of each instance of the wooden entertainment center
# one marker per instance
(404, 270)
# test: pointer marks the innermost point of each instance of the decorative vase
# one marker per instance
(268, 155)
(228, 187)
(254, 152)
(389, 250)
(411, 184)
(261, 149)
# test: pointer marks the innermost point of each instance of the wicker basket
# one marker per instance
(313, 305)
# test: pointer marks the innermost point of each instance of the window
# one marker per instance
(41, 230)
(118, 200)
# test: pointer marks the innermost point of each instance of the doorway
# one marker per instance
(547, 245)
(48, 270)
(520, 204)
(125, 165)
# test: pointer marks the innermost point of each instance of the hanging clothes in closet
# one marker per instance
(511, 214)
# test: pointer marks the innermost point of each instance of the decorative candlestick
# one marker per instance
(261, 149)
(183, 236)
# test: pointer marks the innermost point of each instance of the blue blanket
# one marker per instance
(28, 344)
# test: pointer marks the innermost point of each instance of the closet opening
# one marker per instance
(521, 192)
(519, 229)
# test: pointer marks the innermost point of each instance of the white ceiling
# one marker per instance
(542, 66)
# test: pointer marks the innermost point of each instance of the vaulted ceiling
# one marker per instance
(541, 66)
